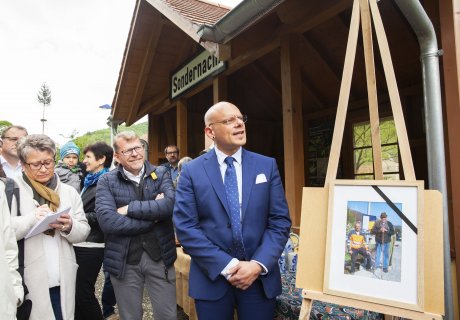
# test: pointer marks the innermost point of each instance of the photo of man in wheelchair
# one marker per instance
(357, 245)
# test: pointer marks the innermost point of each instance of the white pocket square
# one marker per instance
(261, 178)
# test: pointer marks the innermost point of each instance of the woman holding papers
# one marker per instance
(98, 158)
(49, 260)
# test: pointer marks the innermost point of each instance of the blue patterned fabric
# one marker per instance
(233, 200)
(92, 178)
(288, 306)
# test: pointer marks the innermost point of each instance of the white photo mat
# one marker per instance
(404, 293)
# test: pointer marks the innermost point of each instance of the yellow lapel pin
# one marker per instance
(154, 176)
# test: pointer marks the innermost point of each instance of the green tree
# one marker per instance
(104, 135)
(4, 124)
(362, 145)
(44, 97)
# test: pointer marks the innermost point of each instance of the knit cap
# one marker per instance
(69, 148)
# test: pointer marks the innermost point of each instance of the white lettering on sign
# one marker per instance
(193, 72)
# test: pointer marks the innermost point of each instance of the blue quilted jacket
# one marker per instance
(145, 214)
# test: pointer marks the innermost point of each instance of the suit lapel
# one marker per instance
(211, 166)
(249, 171)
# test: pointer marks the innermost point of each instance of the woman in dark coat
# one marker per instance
(98, 158)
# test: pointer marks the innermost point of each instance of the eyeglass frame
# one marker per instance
(13, 139)
(172, 152)
(42, 164)
(231, 120)
(130, 151)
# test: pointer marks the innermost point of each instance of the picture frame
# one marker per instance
(361, 216)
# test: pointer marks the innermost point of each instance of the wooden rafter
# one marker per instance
(308, 87)
(321, 57)
(378, 67)
(311, 18)
(144, 71)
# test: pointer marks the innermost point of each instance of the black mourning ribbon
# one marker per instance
(395, 209)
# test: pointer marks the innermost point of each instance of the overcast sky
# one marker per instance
(76, 47)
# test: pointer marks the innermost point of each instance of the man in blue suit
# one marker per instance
(231, 216)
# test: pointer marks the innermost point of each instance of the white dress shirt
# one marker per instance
(239, 177)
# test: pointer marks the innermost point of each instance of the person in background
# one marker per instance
(10, 279)
(68, 168)
(2, 172)
(383, 230)
(134, 208)
(9, 157)
(90, 253)
(50, 267)
(181, 163)
(232, 218)
(172, 155)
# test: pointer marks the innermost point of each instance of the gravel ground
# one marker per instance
(148, 314)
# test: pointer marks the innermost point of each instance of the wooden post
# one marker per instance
(219, 89)
(450, 38)
(181, 125)
(292, 124)
(219, 93)
(371, 89)
(154, 139)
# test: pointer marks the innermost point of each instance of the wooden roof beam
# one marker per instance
(307, 86)
(299, 18)
(221, 51)
(300, 25)
(266, 78)
(379, 73)
(362, 103)
(325, 64)
(144, 73)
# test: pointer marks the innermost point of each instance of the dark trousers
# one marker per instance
(364, 253)
(251, 304)
(108, 297)
(89, 262)
(55, 296)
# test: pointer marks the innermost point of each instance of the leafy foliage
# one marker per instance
(44, 95)
(4, 124)
(362, 144)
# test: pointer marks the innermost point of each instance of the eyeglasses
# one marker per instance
(36, 166)
(130, 151)
(172, 152)
(231, 121)
(12, 139)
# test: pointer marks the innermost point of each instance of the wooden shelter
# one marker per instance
(283, 69)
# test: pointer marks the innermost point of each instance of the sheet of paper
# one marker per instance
(43, 224)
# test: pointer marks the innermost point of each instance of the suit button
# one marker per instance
(229, 250)
(229, 225)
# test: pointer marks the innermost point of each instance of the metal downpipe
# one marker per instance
(429, 55)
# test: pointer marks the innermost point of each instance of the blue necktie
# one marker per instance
(233, 200)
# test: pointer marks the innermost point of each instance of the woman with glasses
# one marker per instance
(98, 158)
(49, 260)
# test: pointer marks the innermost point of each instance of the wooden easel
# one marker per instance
(315, 200)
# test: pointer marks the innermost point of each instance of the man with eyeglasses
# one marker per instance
(231, 216)
(134, 206)
(172, 155)
(9, 157)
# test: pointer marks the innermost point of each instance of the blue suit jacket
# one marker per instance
(202, 221)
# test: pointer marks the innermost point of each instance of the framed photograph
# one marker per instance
(374, 242)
